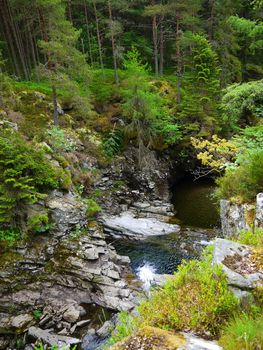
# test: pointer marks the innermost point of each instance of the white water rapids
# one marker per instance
(146, 275)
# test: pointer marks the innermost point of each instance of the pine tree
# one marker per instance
(64, 62)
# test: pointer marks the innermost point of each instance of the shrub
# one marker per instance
(25, 174)
(243, 332)
(196, 298)
(92, 207)
(245, 180)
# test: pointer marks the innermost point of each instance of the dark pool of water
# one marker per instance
(194, 204)
(164, 253)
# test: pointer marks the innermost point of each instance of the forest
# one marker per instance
(105, 106)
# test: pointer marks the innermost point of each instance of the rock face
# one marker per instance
(66, 211)
(238, 263)
(128, 225)
(233, 218)
(237, 217)
(259, 211)
(62, 278)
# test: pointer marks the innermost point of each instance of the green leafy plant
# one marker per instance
(37, 313)
(113, 143)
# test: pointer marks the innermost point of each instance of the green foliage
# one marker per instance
(37, 313)
(243, 332)
(196, 298)
(251, 238)
(25, 175)
(242, 104)
(113, 143)
(59, 141)
(92, 207)
(243, 181)
(146, 110)
(124, 327)
(39, 223)
(10, 236)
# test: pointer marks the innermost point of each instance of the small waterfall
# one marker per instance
(146, 275)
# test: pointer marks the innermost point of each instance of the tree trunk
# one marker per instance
(155, 43)
(211, 20)
(88, 34)
(17, 38)
(9, 38)
(98, 35)
(70, 12)
(55, 103)
(116, 78)
(161, 47)
(178, 60)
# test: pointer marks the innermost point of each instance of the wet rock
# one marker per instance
(51, 339)
(230, 255)
(128, 225)
(105, 330)
(196, 343)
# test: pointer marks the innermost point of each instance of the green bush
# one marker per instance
(244, 181)
(196, 298)
(25, 175)
(244, 332)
